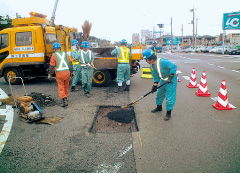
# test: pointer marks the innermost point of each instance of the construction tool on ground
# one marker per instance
(27, 108)
(135, 102)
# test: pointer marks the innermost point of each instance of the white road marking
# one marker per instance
(9, 113)
(220, 66)
(215, 99)
(210, 64)
(104, 167)
(178, 71)
(235, 71)
(189, 62)
(186, 77)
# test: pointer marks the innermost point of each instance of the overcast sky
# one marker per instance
(116, 20)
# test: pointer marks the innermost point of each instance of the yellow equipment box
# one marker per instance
(146, 73)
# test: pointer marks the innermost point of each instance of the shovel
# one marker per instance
(133, 103)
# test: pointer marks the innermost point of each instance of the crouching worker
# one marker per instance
(62, 63)
(162, 71)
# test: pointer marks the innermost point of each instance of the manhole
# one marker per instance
(114, 119)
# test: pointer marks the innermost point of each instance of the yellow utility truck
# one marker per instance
(106, 64)
(26, 47)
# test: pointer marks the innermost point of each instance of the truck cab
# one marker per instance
(26, 48)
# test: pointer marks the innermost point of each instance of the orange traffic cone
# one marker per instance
(178, 78)
(193, 80)
(203, 90)
(222, 101)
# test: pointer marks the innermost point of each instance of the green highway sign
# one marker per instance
(176, 40)
(231, 20)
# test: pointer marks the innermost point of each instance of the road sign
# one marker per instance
(231, 20)
(176, 40)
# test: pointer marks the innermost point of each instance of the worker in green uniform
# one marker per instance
(123, 70)
(86, 59)
(162, 71)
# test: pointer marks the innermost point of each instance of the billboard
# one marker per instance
(231, 20)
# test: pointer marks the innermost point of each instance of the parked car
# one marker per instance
(220, 49)
(213, 49)
(189, 49)
(206, 50)
(234, 50)
(198, 48)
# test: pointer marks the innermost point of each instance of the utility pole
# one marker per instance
(182, 36)
(196, 32)
(160, 26)
(192, 10)
(171, 35)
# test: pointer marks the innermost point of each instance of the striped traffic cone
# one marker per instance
(178, 78)
(203, 90)
(193, 80)
(222, 101)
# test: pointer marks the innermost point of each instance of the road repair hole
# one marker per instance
(114, 119)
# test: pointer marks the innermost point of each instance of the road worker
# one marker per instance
(123, 70)
(162, 71)
(154, 47)
(62, 64)
(86, 59)
(76, 65)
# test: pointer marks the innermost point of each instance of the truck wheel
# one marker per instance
(12, 72)
(101, 78)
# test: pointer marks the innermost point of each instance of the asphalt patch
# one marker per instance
(114, 119)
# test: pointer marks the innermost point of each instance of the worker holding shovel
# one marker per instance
(162, 71)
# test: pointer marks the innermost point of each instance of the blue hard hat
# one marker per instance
(85, 44)
(74, 42)
(147, 53)
(56, 46)
(154, 42)
(124, 41)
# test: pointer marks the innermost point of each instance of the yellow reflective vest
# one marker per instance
(75, 62)
(124, 55)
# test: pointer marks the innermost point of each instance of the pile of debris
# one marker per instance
(43, 100)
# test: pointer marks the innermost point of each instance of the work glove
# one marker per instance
(72, 75)
(50, 77)
(154, 88)
(170, 78)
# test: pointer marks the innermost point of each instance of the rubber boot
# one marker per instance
(74, 89)
(88, 95)
(64, 102)
(157, 109)
(127, 88)
(168, 116)
(120, 89)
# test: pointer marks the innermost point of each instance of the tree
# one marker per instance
(5, 22)
(86, 27)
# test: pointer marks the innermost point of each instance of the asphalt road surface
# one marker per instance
(198, 138)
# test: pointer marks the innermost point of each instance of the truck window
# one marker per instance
(51, 38)
(3, 41)
(23, 38)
